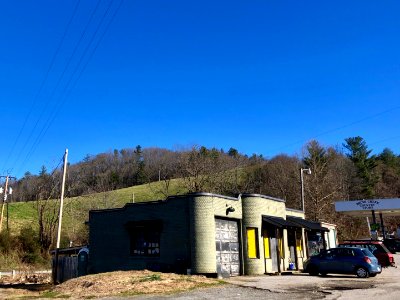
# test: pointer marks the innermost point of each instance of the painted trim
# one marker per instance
(262, 196)
(204, 194)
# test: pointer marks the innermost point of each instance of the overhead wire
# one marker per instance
(384, 140)
(61, 77)
(52, 174)
(68, 87)
(341, 127)
(42, 84)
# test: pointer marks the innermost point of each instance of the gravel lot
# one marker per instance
(296, 286)
(300, 286)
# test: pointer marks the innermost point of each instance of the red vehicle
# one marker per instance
(377, 248)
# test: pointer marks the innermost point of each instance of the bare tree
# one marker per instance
(162, 167)
(47, 209)
(282, 179)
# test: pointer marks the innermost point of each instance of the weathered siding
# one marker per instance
(67, 268)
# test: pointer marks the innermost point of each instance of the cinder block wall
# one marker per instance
(188, 232)
(254, 206)
(203, 209)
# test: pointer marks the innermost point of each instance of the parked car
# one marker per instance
(377, 248)
(392, 244)
(344, 260)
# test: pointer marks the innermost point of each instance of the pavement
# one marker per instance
(303, 286)
(300, 286)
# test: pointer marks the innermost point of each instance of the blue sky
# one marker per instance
(263, 77)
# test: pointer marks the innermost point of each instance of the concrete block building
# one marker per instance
(200, 233)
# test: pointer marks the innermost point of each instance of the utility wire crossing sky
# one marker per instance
(263, 77)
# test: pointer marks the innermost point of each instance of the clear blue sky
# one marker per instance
(264, 77)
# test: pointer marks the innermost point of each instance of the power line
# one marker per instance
(341, 127)
(61, 77)
(43, 81)
(384, 140)
(67, 89)
(49, 120)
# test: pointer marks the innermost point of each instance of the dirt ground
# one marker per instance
(122, 283)
(153, 285)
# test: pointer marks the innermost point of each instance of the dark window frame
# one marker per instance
(145, 238)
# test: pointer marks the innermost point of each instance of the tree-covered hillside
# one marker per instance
(111, 179)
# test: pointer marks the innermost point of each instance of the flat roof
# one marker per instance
(388, 207)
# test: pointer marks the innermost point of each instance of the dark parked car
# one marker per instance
(377, 248)
(345, 260)
(392, 244)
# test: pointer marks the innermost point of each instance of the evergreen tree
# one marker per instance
(140, 176)
(364, 163)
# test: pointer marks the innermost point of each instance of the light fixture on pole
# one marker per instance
(308, 171)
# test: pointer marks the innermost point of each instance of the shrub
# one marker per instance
(29, 245)
(28, 240)
(6, 242)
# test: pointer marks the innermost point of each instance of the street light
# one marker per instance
(308, 171)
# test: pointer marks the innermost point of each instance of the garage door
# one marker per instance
(227, 245)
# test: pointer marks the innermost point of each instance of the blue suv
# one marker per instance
(349, 260)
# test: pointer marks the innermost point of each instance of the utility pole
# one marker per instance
(4, 199)
(62, 198)
(308, 171)
(55, 277)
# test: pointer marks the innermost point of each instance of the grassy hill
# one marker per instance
(76, 209)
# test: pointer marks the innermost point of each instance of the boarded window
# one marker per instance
(267, 253)
(252, 243)
(299, 242)
(281, 247)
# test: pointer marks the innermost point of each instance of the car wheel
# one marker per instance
(362, 272)
(323, 274)
(313, 270)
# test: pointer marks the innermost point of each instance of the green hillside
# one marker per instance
(76, 209)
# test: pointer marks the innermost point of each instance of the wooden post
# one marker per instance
(55, 279)
(62, 199)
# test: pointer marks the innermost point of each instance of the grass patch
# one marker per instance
(76, 212)
(76, 209)
(152, 277)
(52, 295)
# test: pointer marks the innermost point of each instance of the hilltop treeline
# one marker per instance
(350, 172)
